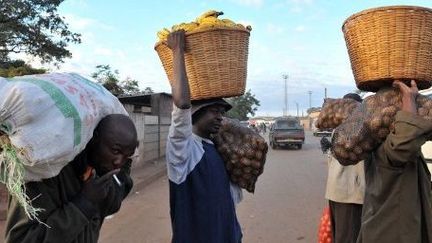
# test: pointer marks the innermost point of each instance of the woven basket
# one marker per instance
(390, 43)
(216, 62)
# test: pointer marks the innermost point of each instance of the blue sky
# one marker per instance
(301, 38)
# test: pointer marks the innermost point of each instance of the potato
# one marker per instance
(258, 155)
(237, 172)
(256, 172)
(389, 111)
(245, 161)
(422, 111)
(247, 170)
(375, 123)
(428, 104)
(358, 150)
(247, 176)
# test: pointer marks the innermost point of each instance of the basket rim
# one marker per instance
(384, 8)
(204, 30)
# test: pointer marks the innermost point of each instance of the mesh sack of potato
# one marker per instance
(334, 112)
(424, 107)
(368, 126)
(351, 141)
(383, 107)
(243, 151)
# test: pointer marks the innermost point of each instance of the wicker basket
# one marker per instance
(390, 43)
(216, 62)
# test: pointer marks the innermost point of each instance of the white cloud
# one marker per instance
(296, 9)
(274, 29)
(298, 6)
(103, 52)
(78, 23)
(300, 28)
(300, 1)
(78, 3)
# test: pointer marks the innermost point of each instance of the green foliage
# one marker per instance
(130, 86)
(33, 27)
(17, 68)
(110, 80)
(148, 90)
(243, 106)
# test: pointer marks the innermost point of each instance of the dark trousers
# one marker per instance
(345, 221)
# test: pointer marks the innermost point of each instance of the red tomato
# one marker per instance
(324, 229)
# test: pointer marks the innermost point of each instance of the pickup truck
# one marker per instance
(286, 131)
(319, 132)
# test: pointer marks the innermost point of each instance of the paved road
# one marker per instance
(285, 208)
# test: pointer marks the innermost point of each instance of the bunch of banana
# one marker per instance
(207, 20)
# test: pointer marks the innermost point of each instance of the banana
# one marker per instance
(190, 26)
(228, 22)
(163, 34)
(210, 13)
(207, 20)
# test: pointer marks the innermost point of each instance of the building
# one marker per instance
(151, 114)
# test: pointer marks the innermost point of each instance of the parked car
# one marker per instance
(286, 131)
(427, 147)
(244, 123)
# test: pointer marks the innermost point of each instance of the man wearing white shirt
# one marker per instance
(202, 199)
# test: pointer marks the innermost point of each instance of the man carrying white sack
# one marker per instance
(76, 201)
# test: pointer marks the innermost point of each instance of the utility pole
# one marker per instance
(310, 99)
(285, 77)
(310, 106)
(325, 93)
(297, 110)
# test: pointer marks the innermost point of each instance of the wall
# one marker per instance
(152, 135)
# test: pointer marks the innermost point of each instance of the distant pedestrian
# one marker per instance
(345, 193)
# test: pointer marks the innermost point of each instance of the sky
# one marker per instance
(300, 38)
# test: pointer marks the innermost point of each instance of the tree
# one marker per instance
(148, 90)
(18, 68)
(34, 27)
(130, 86)
(108, 78)
(243, 106)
